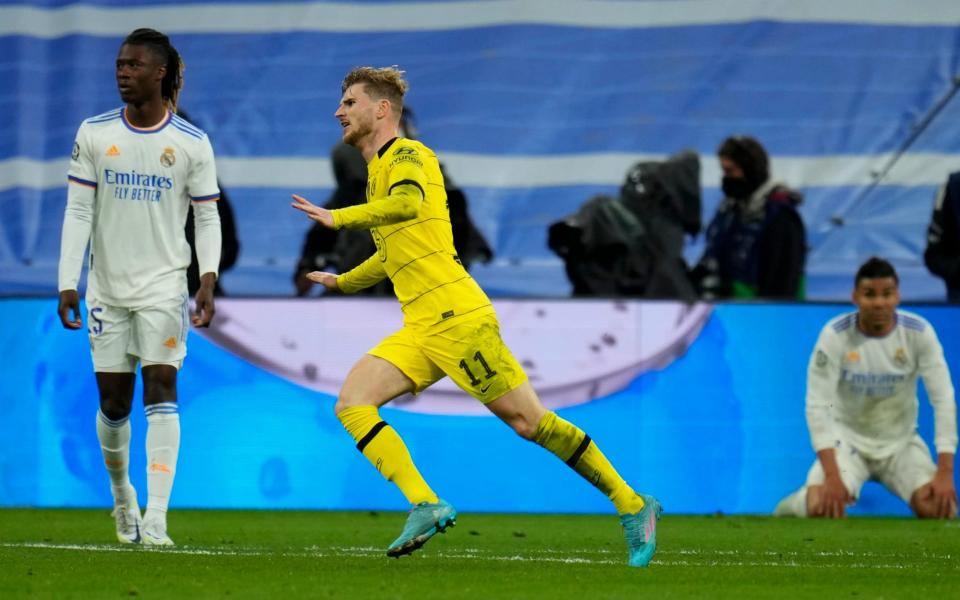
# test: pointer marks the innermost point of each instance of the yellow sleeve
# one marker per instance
(402, 204)
(369, 272)
(406, 188)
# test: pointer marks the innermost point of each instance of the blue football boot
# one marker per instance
(640, 529)
(426, 520)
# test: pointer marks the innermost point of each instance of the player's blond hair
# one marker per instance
(385, 83)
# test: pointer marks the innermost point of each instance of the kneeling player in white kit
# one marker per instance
(862, 407)
(134, 173)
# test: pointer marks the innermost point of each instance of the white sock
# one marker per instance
(114, 439)
(163, 446)
(794, 505)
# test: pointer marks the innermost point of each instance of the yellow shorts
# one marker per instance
(472, 354)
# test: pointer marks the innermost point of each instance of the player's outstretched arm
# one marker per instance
(317, 213)
(69, 302)
(369, 272)
(204, 301)
(327, 280)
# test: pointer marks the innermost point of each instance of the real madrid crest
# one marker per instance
(900, 357)
(168, 159)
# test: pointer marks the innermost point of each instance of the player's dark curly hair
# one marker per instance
(160, 45)
(875, 268)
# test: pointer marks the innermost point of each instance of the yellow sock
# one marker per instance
(383, 447)
(575, 447)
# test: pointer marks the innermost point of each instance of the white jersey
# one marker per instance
(863, 389)
(144, 181)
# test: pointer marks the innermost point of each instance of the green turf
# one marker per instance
(241, 554)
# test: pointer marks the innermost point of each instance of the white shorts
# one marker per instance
(902, 473)
(120, 337)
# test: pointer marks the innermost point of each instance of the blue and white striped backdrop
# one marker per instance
(533, 106)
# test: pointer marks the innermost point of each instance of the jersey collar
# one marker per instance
(383, 149)
(158, 127)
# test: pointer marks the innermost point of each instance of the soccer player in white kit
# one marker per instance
(134, 173)
(862, 407)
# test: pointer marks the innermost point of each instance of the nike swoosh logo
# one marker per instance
(484, 389)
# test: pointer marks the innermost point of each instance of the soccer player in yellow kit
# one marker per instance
(450, 328)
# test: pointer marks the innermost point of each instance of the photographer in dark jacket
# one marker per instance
(942, 255)
(756, 242)
(632, 245)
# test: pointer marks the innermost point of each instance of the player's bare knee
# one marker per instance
(115, 408)
(343, 403)
(115, 401)
(523, 427)
(159, 393)
(159, 384)
(351, 396)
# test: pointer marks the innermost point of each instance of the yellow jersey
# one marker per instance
(407, 214)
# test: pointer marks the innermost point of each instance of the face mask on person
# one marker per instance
(736, 187)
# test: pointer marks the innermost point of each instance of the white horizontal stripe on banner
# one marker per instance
(496, 171)
(423, 16)
(605, 169)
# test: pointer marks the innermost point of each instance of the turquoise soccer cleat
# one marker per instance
(640, 529)
(426, 520)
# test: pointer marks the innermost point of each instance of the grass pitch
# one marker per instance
(250, 554)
